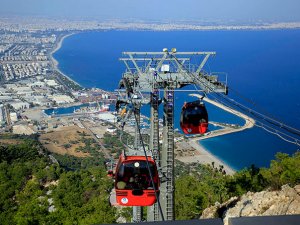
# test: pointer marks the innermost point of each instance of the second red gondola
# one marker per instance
(194, 118)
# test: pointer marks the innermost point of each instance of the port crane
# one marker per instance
(147, 75)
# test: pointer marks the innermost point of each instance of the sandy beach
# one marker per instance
(54, 61)
(57, 47)
(202, 155)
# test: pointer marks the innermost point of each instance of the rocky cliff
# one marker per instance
(283, 202)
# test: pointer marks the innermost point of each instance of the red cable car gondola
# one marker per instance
(133, 186)
(194, 118)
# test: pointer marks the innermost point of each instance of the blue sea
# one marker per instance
(263, 66)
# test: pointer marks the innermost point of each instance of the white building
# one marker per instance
(61, 99)
(5, 98)
(41, 100)
(18, 105)
(3, 90)
(51, 83)
(11, 86)
(111, 129)
(79, 94)
(2, 114)
(38, 84)
(107, 116)
(25, 92)
(13, 117)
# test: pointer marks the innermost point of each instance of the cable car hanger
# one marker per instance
(130, 96)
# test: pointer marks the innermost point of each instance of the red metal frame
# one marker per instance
(126, 197)
(190, 128)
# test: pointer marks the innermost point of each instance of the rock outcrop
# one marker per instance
(264, 203)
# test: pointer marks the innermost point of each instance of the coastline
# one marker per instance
(55, 63)
(202, 154)
(249, 122)
(57, 46)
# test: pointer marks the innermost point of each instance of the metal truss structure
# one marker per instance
(147, 75)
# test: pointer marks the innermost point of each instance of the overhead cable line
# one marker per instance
(251, 102)
(267, 128)
(147, 162)
(262, 116)
(145, 153)
(247, 109)
(278, 133)
(263, 126)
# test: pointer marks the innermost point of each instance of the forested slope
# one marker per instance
(35, 190)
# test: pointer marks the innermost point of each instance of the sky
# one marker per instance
(158, 10)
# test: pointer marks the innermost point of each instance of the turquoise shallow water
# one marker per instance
(261, 65)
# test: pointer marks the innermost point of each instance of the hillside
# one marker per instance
(36, 190)
(199, 187)
(285, 201)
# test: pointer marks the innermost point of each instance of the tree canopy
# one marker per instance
(35, 190)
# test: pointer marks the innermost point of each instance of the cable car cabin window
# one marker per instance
(194, 115)
(135, 175)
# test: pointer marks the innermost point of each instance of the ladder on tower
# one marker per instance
(155, 122)
(154, 101)
(169, 110)
(148, 72)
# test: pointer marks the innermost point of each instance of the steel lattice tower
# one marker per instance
(148, 74)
